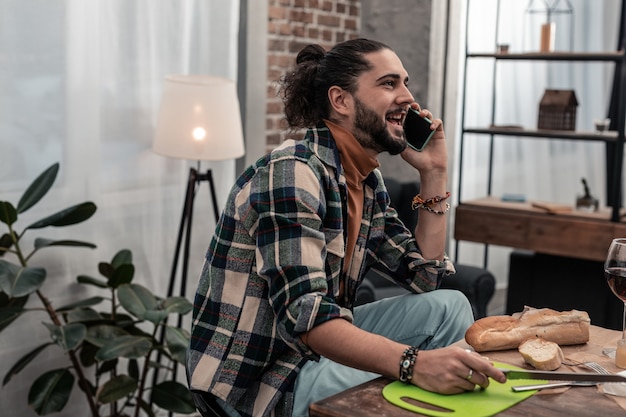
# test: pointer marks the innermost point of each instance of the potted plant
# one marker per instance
(110, 352)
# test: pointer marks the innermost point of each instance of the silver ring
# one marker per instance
(469, 350)
(469, 376)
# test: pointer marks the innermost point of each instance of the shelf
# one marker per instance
(610, 136)
(614, 56)
(520, 225)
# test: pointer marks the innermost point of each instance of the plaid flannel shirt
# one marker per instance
(273, 272)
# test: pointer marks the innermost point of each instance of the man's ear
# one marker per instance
(340, 100)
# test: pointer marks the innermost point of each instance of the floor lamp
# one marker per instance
(199, 119)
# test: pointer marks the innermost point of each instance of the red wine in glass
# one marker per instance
(616, 278)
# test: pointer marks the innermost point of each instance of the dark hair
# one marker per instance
(304, 89)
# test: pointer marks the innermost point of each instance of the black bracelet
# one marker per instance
(406, 363)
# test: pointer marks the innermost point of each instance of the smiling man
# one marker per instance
(274, 327)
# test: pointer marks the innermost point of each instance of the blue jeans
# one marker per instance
(430, 320)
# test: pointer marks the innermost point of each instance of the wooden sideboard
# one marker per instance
(523, 226)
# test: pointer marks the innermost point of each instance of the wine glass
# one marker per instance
(615, 274)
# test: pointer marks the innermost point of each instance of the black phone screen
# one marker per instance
(417, 130)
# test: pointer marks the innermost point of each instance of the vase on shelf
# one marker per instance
(549, 26)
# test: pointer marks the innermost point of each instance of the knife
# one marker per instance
(561, 376)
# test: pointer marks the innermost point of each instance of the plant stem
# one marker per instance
(16, 243)
(144, 375)
(142, 383)
(82, 380)
(114, 408)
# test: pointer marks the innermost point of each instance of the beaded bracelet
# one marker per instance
(432, 210)
(419, 202)
(406, 363)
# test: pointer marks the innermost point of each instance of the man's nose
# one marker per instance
(405, 97)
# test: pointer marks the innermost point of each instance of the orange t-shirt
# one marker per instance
(357, 165)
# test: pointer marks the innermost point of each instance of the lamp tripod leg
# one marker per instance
(209, 177)
(183, 229)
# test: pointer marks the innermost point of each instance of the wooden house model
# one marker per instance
(557, 110)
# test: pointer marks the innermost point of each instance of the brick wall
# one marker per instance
(292, 25)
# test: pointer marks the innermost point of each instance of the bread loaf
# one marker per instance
(541, 354)
(507, 332)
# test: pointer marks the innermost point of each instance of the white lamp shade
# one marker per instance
(199, 119)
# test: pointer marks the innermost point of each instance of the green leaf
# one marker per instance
(8, 315)
(107, 366)
(132, 347)
(123, 320)
(106, 269)
(83, 315)
(155, 316)
(87, 354)
(68, 336)
(42, 243)
(177, 340)
(117, 388)
(50, 392)
(6, 242)
(102, 334)
(10, 309)
(85, 279)
(179, 305)
(18, 281)
(23, 361)
(87, 302)
(122, 275)
(137, 300)
(72, 215)
(120, 270)
(173, 396)
(38, 188)
(123, 257)
(8, 214)
(133, 368)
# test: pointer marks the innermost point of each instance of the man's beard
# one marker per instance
(372, 133)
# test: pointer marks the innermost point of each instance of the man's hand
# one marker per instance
(452, 370)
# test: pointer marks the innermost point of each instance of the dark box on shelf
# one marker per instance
(557, 110)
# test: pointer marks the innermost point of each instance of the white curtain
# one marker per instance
(81, 83)
(541, 169)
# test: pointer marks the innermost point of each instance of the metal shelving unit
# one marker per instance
(614, 138)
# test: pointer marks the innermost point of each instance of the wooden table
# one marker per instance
(366, 400)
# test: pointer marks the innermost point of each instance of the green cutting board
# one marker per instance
(478, 403)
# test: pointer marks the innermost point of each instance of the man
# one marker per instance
(274, 327)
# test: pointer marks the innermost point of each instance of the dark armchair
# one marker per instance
(478, 284)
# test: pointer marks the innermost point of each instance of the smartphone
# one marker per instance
(417, 130)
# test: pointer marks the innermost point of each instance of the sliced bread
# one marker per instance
(541, 354)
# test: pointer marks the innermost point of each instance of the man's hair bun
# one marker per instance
(311, 53)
